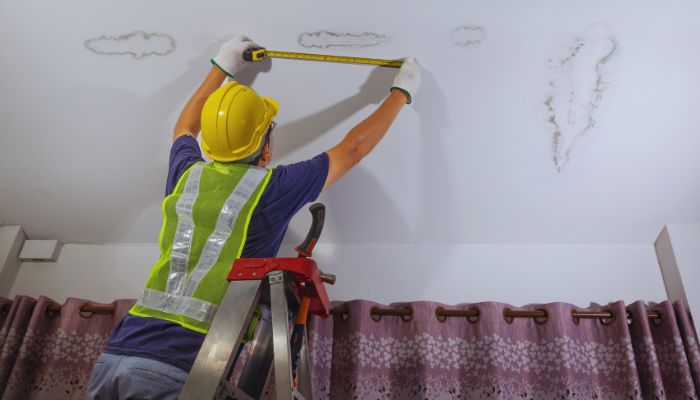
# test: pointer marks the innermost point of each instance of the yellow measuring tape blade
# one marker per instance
(338, 59)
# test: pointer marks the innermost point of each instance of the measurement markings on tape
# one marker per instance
(261, 53)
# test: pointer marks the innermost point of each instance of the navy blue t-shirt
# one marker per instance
(289, 189)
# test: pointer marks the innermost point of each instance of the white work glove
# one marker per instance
(230, 57)
(408, 78)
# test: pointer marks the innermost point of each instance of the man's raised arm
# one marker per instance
(364, 136)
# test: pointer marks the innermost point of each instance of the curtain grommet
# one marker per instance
(656, 321)
(438, 316)
(85, 314)
(49, 313)
(376, 317)
(409, 317)
(541, 320)
(341, 310)
(474, 319)
(442, 314)
(608, 321)
(405, 312)
(508, 319)
(576, 320)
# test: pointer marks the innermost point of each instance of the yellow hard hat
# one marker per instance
(234, 122)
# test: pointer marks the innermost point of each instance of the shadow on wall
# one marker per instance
(134, 126)
(291, 136)
(437, 200)
(435, 222)
(359, 207)
(358, 191)
(364, 211)
(353, 213)
(248, 75)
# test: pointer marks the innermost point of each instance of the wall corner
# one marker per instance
(11, 240)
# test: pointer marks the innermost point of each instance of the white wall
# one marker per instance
(479, 141)
(517, 274)
(678, 247)
(11, 239)
(96, 272)
(571, 124)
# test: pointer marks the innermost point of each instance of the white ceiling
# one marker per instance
(477, 158)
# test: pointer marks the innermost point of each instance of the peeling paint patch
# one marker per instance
(137, 44)
(325, 39)
(577, 85)
(467, 35)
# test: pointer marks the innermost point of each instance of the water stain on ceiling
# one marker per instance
(137, 44)
(577, 84)
(467, 35)
(324, 39)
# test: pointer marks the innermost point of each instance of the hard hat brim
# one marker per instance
(274, 105)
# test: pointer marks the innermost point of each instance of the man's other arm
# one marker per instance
(189, 122)
(227, 62)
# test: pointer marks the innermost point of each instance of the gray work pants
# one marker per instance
(117, 377)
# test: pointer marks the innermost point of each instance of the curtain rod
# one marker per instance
(85, 309)
(472, 314)
(406, 313)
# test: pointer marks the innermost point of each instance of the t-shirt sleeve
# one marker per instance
(292, 186)
(184, 152)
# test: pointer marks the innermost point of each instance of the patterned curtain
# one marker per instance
(640, 353)
(47, 353)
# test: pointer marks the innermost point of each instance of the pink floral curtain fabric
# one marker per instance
(357, 354)
(631, 356)
(49, 355)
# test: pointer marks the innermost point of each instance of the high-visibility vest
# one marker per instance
(204, 230)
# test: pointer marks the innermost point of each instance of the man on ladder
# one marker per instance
(215, 213)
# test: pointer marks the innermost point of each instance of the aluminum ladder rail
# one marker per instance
(255, 283)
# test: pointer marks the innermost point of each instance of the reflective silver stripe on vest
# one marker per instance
(224, 226)
(182, 242)
(177, 299)
(175, 304)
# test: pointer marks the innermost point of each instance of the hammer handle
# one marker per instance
(318, 215)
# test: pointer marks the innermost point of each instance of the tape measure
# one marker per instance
(260, 53)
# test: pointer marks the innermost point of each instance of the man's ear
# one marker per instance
(265, 155)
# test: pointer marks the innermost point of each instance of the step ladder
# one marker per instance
(280, 289)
